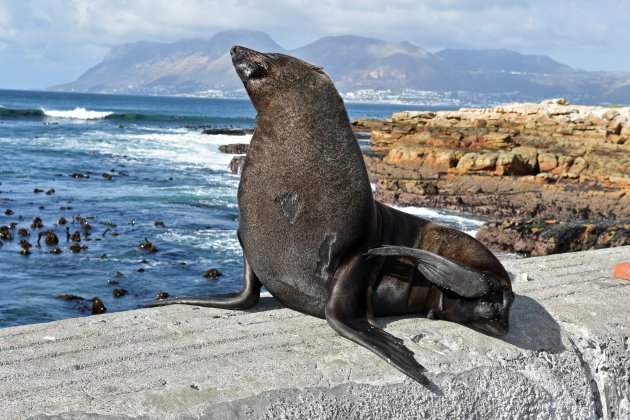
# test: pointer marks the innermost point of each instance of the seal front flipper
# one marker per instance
(346, 313)
(465, 281)
(246, 298)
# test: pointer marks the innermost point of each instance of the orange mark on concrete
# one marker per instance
(622, 271)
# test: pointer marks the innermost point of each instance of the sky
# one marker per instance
(48, 42)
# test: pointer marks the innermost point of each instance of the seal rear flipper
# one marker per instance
(346, 312)
(382, 343)
(463, 280)
(246, 298)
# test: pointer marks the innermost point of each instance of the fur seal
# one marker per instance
(314, 236)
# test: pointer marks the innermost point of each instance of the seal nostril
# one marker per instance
(234, 50)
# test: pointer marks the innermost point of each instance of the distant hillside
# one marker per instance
(356, 64)
(186, 66)
(365, 63)
(500, 61)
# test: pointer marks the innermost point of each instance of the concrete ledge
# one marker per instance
(567, 356)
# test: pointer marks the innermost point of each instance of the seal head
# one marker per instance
(273, 79)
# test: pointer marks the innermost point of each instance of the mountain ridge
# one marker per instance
(361, 67)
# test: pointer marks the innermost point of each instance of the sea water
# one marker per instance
(135, 169)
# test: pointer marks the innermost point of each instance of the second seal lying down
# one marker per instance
(314, 236)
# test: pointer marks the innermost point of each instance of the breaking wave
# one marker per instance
(80, 113)
(77, 113)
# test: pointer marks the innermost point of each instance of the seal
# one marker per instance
(314, 236)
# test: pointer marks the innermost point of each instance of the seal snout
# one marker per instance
(249, 64)
(235, 50)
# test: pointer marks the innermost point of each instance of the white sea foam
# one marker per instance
(223, 242)
(77, 113)
(185, 148)
(465, 224)
(177, 148)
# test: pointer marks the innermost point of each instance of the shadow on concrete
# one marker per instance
(266, 303)
(532, 327)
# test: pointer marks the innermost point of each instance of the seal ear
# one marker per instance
(318, 69)
(251, 69)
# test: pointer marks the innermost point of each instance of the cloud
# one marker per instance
(79, 32)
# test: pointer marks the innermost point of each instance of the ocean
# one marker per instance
(123, 172)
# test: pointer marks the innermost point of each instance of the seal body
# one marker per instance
(313, 235)
(299, 215)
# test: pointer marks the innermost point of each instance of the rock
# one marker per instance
(119, 292)
(228, 131)
(406, 156)
(37, 223)
(478, 162)
(443, 159)
(547, 162)
(564, 164)
(539, 237)
(51, 238)
(5, 233)
(148, 246)
(555, 101)
(616, 139)
(236, 164)
(467, 162)
(98, 307)
(419, 187)
(161, 295)
(495, 141)
(79, 175)
(510, 198)
(212, 273)
(518, 161)
(578, 166)
(234, 149)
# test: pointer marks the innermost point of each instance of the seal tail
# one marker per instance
(463, 280)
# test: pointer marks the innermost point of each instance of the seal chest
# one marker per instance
(293, 212)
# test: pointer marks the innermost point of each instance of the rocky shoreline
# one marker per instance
(517, 165)
(550, 177)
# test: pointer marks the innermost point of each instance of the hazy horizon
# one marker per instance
(44, 44)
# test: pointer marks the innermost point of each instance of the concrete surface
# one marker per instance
(567, 356)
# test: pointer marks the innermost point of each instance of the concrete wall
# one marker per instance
(567, 356)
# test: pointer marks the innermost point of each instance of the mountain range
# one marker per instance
(360, 67)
